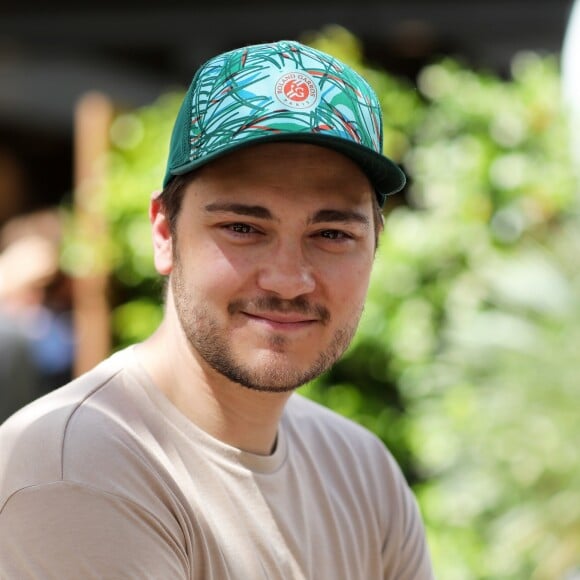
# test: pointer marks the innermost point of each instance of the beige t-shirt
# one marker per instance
(105, 478)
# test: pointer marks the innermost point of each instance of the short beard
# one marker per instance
(212, 344)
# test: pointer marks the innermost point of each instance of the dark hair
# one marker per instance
(172, 197)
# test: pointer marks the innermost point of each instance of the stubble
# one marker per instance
(271, 370)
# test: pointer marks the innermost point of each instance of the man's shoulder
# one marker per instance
(32, 440)
(344, 452)
(312, 420)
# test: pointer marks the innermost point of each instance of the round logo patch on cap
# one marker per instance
(297, 91)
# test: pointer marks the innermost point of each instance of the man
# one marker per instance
(18, 380)
(28, 264)
(189, 455)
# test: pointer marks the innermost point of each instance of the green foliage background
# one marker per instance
(467, 359)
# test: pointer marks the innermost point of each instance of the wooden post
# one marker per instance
(93, 116)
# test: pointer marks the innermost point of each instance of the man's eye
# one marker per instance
(334, 235)
(240, 228)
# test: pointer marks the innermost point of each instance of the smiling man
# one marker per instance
(190, 456)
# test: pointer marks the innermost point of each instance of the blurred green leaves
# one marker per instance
(474, 308)
(467, 359)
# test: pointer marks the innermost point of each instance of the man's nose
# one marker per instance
(287, 273)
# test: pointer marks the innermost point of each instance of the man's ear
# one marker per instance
(162, 238)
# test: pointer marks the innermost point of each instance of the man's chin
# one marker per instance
(269, 389)
(272, 373)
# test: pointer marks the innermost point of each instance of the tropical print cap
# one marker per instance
(282, 91)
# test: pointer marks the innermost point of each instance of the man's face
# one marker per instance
(270, 262)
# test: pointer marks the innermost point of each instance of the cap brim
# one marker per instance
(386, 176)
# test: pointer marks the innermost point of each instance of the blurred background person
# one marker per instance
(36, 337)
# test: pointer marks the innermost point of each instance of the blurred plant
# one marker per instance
(140, 142)
(466, 360)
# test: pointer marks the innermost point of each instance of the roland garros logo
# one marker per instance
(297, 90)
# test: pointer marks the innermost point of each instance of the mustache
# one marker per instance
(264, 304)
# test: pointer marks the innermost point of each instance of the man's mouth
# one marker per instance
(274, 311)
(281, 320)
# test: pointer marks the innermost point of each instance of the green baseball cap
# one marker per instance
(282, 91)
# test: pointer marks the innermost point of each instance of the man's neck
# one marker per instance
(238, 416)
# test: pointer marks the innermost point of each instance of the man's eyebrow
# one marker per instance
(340, 215)
(256, 211)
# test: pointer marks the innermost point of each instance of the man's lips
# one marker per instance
(277, 311)
(286, 320)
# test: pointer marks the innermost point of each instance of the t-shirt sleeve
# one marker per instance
(408, 557)
(415, 562)
(67, 531)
